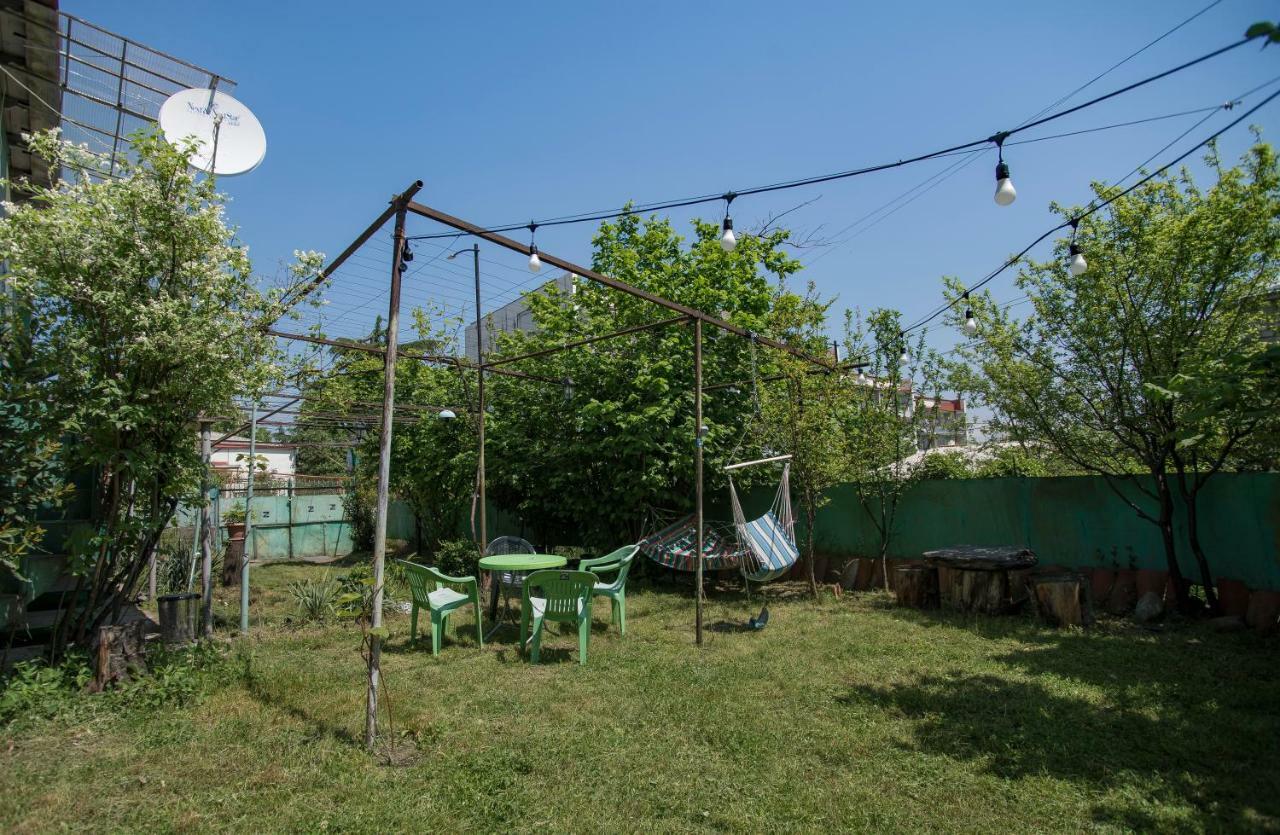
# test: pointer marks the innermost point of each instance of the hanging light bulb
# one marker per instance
(728, 240)
(970, 323)
(905, 357)
(1077, 265)
(567, 383)
(1005, 192)
(535, 263)
(862, 377)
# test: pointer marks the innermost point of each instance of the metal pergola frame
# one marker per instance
(400, 207)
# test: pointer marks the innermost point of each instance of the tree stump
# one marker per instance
(917, 586)
(977, 591)
(231, 562)
(1062, 599)
(120, 654)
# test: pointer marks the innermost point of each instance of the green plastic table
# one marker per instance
(512, 562)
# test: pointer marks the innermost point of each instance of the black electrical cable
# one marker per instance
(1093, 209)
(998, 138)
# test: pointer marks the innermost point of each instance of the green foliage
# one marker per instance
(623, 441)
(317, 598)
(941, 465)
(433, 461)
(456, 557)
(35, 692)
(1153, 360)
(1023, 462)
(140, 314)
(1264, 29)
(889, 409)
(358, 502)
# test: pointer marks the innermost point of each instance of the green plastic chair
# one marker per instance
(565, 598)
(440, 595)
(619, 561)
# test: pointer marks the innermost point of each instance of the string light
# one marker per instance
(905, 357)
(535, 263)
(1005, 192)
(728, 240)
(970, 323)
(1076, 265)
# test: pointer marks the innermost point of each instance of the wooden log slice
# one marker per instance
(1062, 599)
(917, 587)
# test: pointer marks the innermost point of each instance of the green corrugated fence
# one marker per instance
(1073, 522)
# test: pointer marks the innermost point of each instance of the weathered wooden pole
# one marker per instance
(484, 530)
(249, 548)
(384, 478)
(697, 462)
(206, 533)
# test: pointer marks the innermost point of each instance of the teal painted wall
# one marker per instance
(1075, 522)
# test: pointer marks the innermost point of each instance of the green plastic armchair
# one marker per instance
(565, 597)
(619, 561)
(440, 595)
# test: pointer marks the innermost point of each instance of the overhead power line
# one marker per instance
(997, 139)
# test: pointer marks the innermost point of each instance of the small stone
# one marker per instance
(1149, 608)
(1227, 623)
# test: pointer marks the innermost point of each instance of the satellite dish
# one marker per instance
(229, 138)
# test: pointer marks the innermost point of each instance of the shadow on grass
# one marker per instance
(1167, 732)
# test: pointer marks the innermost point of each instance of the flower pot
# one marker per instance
(1233, 597)
(1152, 580)
(235, 530)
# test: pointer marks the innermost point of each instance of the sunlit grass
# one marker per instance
(847, 714)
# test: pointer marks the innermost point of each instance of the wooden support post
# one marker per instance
(484, 530)
(697, 463)
(206, 534)
(250, 549)
(384, 479)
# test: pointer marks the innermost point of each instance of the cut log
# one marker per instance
(231, 562)
(1062, 599)
(917, 586)
(977, 591)
(120, 654)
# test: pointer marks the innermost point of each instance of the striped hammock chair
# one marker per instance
(675, 545)
(769, 542)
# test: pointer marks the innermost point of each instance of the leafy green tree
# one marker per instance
(890, 409)
(1151, 362)
(593, 455)
(139, 314)
(803, 412)
(433, 460)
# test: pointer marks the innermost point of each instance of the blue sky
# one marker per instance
(515, 111)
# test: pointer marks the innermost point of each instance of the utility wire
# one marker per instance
(1093, 209)
(996, 138)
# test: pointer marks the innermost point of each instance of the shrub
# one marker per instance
(358, 502)
(457, 558)
(317, 599)
(944, 465)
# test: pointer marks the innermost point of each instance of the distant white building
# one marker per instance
(230, 459)
(513, 316)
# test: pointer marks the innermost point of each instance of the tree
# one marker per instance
(1152, 361)
(803, 411)
(614, 434)
(887, 417)
(433, 461)
(139, 314)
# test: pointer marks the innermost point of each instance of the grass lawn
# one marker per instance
(844, 715)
